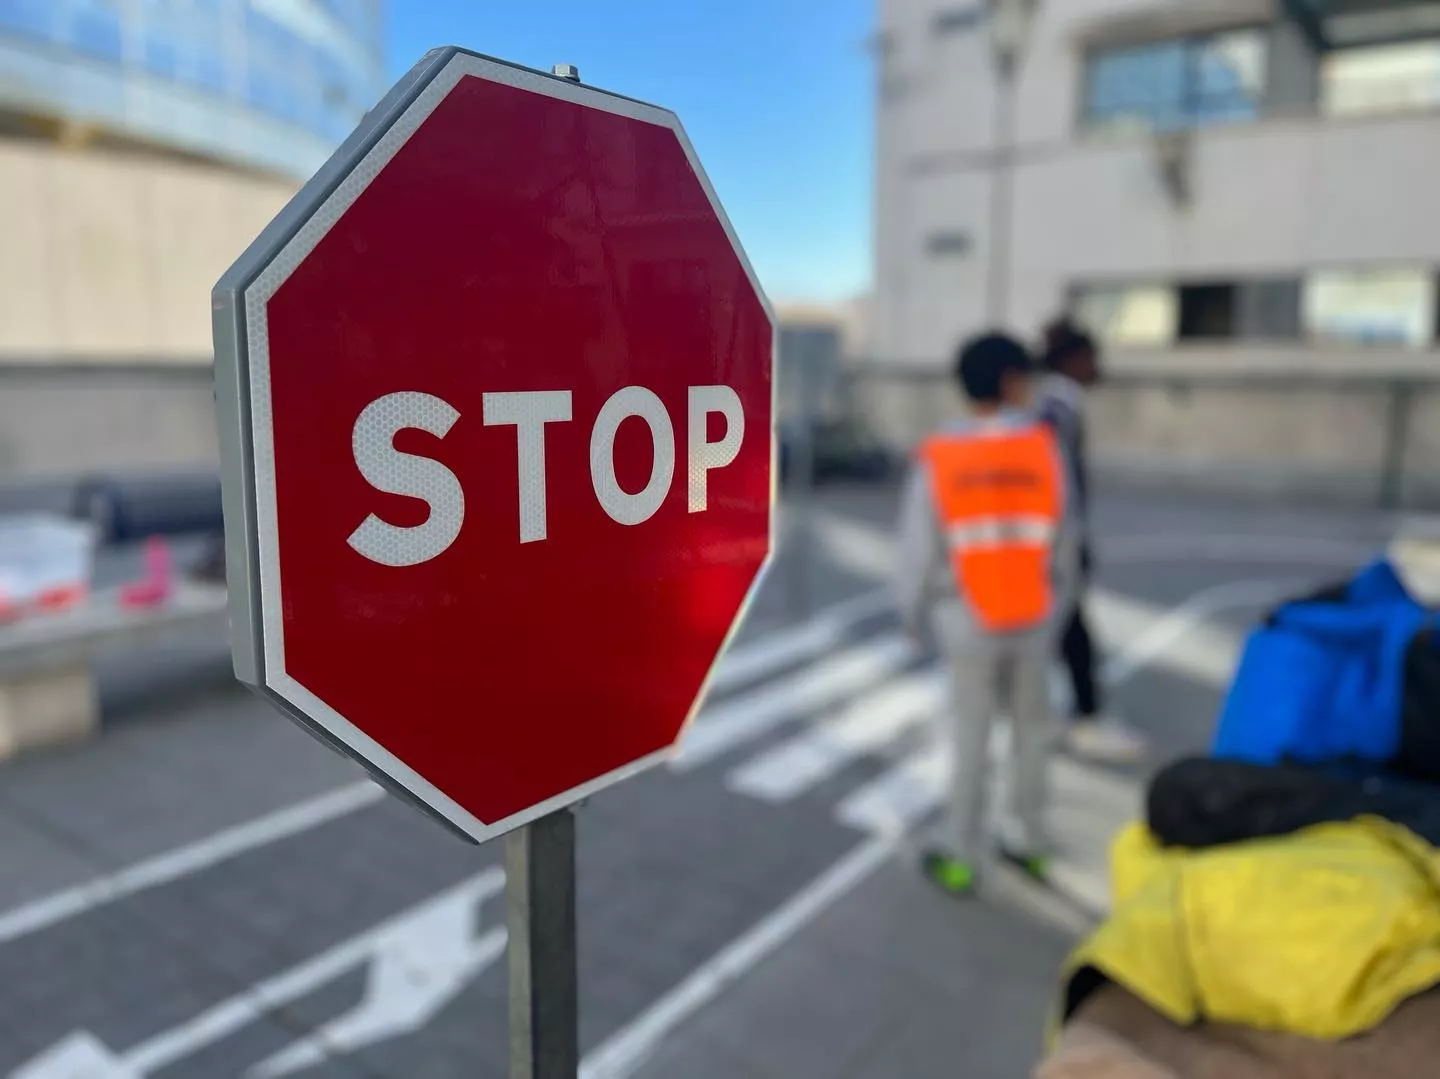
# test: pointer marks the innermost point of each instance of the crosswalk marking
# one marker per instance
(900, 797)
(750, 663)
(860, 703)
(862, 727)
(1181, 642)
(734, 722)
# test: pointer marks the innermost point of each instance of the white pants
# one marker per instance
(1009, 674)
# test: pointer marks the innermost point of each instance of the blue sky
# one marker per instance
(775, 95)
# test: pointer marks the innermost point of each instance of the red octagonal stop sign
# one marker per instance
(496, 401)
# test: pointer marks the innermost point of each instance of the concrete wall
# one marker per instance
(1420, 483)
(1311, 441)
(57, 422)
(109, 256)
(1342, 439)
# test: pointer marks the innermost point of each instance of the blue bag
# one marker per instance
(1323, 680)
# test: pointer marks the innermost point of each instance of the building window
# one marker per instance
(1371, 307)
(1381, 78)
(1245, 309)
(1268, 309)
(95, 29)
(33, 18)
(1180, 83)
(948, 243)
(956, 20)
(1129, 315)
(1249, 309)
(1207, 311)
(1381, 306)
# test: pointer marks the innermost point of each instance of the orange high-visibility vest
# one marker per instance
(1000, 496)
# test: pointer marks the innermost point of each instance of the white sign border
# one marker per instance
(241, 304)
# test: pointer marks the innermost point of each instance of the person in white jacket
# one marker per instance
(987, 566)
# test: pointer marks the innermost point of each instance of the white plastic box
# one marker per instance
(46, 563)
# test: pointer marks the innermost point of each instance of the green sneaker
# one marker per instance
(1034, 866)
(951, 875)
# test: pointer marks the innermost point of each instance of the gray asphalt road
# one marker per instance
(223, 961)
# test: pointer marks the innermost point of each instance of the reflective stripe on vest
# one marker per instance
(1000, 532)
(999, 496)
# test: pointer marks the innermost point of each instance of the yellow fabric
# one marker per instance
(1322, 933)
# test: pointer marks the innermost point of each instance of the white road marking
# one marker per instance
(1179, 641)
(420, 964)
(188, 859)
(910, 792)
(745, 664)
(419, 960)
(861, 727)
(79, 1056)
(864, 549)
(1151, 635)
(1283, 550)
(783, 648)
(737, 720)
(1088, 806)
(622, 1054)
(1052, 905)
(900, 797)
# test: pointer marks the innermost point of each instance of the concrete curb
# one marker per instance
(47, 689)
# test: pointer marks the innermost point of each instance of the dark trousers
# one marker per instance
(1078, 651)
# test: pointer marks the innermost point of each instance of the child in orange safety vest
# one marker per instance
(989, 561)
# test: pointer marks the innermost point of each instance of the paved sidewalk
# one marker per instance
(894, 981)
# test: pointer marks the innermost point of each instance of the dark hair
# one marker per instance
(983, 362)
(1064, 340)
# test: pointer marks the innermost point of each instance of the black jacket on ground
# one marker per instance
(1201, 802)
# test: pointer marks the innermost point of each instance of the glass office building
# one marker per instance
(265, 84)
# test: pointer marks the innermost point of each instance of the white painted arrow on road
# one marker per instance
(418, 962)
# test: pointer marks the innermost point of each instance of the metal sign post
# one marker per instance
(540, 915)
(544, 994)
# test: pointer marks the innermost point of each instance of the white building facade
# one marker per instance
(1208, 184)
(143, 145)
